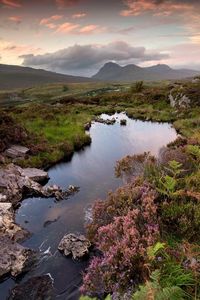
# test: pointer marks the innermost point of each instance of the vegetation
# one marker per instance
(147, 231)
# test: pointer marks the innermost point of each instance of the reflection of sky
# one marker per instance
(93, 170)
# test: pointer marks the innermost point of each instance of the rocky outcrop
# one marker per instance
(77, 245)
(16, 151)
(8, 227)
(14, 258)
(36, 288)
(178, 99)
(15, 182)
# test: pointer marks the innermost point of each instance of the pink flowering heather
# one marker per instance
(123, 241)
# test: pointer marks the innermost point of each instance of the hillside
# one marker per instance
(114, 72)
(12, 77)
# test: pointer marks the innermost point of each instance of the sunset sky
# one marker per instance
(79, 36)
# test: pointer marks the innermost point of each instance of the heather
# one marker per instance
(147, 230)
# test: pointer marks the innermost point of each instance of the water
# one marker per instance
(92, 169)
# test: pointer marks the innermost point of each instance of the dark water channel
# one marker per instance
(92, 169)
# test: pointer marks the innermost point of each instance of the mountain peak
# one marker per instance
(114, 72)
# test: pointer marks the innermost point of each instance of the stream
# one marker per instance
(92, 169)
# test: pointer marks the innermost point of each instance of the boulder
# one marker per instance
(36, 288)
(16, 151)
(178, 99)
(77, 245)
(35, 174)
(14, 258)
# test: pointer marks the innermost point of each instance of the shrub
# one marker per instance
(123, 240)
(137, 87)
(65, 88)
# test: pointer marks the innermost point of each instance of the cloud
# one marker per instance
(50, 19)
(67, 27)
(15, 19)
(48, 22)
(156, 7)
(86, 59)
(11, 3)
(89, 29)
(78, 15)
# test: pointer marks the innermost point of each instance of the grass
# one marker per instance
(55, 116)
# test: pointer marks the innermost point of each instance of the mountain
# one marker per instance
(12, 77)
(114, 72)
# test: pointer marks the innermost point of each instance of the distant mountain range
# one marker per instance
(114, 72)
(12, 77)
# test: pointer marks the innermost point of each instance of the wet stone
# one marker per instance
(77, 245)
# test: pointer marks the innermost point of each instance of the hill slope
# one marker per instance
(114, 72)
(12, 77)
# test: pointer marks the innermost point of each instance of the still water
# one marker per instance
(92, 169)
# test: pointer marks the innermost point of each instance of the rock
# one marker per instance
(36, 288)
(178, 99)
(35, 174)
(123, 122)
(87, 126)
(77, 245)
(103, 121)
(15, 182)
(16, 151)
(7, 223)
(14, 258)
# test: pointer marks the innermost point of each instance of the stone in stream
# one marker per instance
(14, 258)
(77, 245)
(16, 151)
(36, 288)
(107, 122)
(123, 122)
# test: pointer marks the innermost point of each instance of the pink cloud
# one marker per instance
(11, 3)
(89, 29)
(15, 19)
(164, 8)
(79, 15)
(67, 27)
(45, 21)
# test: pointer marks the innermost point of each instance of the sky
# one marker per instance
(79, 36)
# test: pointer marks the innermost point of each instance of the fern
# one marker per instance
(155, 249)
(174, 168)
(153, 290)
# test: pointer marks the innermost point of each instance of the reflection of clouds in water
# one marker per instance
(150, 137)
